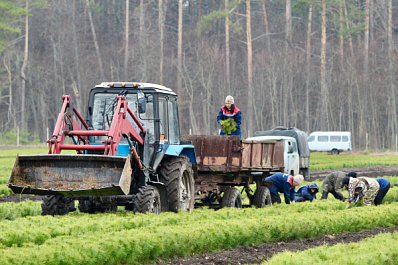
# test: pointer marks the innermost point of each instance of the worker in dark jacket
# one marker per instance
(284, 183)
(333, 184)
(307, 192)
(229, 111)
(384, 187)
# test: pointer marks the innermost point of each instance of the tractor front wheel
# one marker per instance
(177, 174)
(57, 205)
(148, 200)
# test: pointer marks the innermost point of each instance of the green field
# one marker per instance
(128, 238)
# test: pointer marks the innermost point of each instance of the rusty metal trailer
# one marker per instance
(226, 162)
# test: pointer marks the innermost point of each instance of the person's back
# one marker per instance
(383, 182)
(333, 184)
(307, 192)
(283, 183)
(384, 188)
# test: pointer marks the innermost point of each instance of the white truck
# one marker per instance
(291, 156)
(296, 154)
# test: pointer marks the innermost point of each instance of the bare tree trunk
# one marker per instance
(371, 18)
(341, 36)
(366, 48)
(142, 42)
(227, 55)
(348, 28)
(265, 17)
(249, 71)
(101, 68)
(391, 68)
(75, 86)
(324, 100)
(23, 68)
(288, 17)
(162, 15)
(11, 112)
(179, 49)
(308, 62)
(126, 40)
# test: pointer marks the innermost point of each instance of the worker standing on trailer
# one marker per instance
(361, 188)
(333, 184)
(307, 192)
(384, 187)
(284, 183)
(229, 111)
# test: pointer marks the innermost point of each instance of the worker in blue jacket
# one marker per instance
(307, 192)
(284, 183)
(384, 187)
(230, 111)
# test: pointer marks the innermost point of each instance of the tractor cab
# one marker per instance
(154, 106)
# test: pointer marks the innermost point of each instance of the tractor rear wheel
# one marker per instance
(262, 197)
(148, 200)
(177, 174)
(57, 205)
(232, 198)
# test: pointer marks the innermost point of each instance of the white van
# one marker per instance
(333, 142)
(291, 155)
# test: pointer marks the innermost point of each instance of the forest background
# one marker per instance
(310, 64)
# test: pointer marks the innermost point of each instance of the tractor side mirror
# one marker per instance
(141, 102)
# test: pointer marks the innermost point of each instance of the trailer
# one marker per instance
(225, 163)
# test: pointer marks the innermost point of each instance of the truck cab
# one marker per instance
(291, 155)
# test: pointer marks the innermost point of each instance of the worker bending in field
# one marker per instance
(384, 187)
(333, 184)
(361, 188)
(284, 183)
(307, 192)
(230, 111)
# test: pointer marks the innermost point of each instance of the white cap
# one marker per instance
(229, 100)
(298, 179)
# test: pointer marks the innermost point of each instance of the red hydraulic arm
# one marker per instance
(67, 126)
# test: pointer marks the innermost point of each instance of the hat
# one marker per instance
(298, 179)
(352, 175)
(346, 181)
(229, 100)
(314, 186)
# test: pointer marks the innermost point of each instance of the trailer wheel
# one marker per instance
(148, 200)
(262, 197)
(177, 174)
(85, 206)
(232, 198)
(335, 152)
(57, 205)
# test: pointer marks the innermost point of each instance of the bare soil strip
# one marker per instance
(258, 254)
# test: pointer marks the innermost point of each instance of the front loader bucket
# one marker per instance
(71, 175)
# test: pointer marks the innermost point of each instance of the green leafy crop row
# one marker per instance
(319, 161)
(125, 237)
(380, 249)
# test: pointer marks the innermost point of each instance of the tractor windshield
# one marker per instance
(104, 108)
